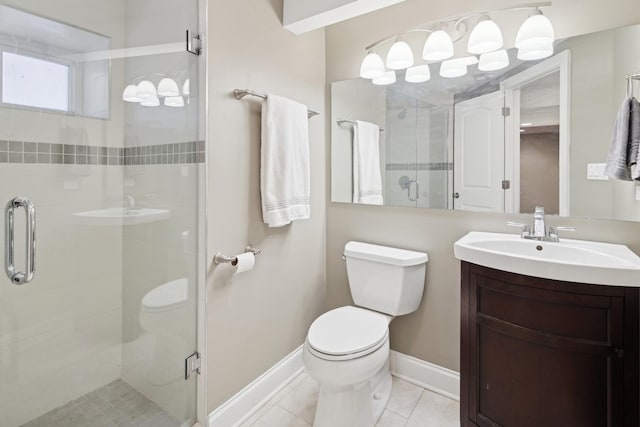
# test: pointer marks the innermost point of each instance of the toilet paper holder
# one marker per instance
(219, 258)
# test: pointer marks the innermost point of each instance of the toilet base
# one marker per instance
(359, 405)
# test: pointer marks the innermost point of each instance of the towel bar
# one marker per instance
(350, 122)
(241, 93)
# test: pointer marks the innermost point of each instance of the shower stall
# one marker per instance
(101, 175)
(418, 168)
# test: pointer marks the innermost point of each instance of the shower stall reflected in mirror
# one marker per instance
(101, 162)
(417, 166)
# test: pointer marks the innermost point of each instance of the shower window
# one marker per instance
(29, 81)
(52, 66)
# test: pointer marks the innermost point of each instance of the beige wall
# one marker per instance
(432, 333)
(258, 317)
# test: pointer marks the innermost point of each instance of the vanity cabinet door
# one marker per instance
(539, 352)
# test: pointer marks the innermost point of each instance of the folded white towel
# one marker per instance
(367, 179)
(284, 171)
(617, 166)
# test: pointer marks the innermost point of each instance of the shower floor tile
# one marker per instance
(115, 404)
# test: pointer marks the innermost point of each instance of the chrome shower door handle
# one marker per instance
(416, 185)
(19, 277)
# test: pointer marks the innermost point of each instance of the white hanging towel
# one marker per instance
(284, 170)
(367, 179)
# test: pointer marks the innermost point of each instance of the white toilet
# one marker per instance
(347, 349)
(166, 312)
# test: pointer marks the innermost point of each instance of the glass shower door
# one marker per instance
(100, 159)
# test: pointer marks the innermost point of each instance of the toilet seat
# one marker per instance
(167, 296)
(347, 333)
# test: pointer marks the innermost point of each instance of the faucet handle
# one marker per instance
(560, 228)
(553, 231)
(525, 228)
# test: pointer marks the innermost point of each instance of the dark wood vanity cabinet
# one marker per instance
(538, 352)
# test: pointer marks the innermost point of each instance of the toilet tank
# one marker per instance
(384, 279)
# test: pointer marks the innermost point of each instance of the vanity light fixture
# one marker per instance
(452, 68)
(150, 102)
(389, 77)
(142, 90)
(438, 46)
(535, 53)
(534, 41)
(485, 37)
(168, 87)
(535, 32)
(146, 90)
(130, 94)
(400, 56)
(174, 101)
(492, 61)
(418, 74)
(372, 66)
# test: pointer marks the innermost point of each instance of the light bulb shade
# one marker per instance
(492, 61)
(485, 37)
(535, 53)
(438, 46)
(129, 94)
(389, 77)
(418, 74)
(400, 56)
(168, 87)
(453, 68)
(146, 90)
(174, 101)
(535, 32)
(150, 102)
(372, 66)
(185, 88)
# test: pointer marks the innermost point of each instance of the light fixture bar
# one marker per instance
(458, 21)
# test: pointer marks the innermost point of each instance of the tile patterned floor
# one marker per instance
(116, 404)
(409, 406)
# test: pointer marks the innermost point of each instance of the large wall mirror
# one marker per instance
(533, 133)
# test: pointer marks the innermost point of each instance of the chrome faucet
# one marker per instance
(130, 200)
(539, 228)
(540, 231)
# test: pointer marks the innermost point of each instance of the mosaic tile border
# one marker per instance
(74, 154)
(435, 166)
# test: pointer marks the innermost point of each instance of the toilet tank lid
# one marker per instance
(384, 254)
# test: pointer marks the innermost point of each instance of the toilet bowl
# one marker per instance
(347, 349)
(166, 313)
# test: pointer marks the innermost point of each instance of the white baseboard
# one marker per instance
(426, 375)
(248, 400)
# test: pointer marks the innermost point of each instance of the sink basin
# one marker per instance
(579, 261)
(121, 216)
